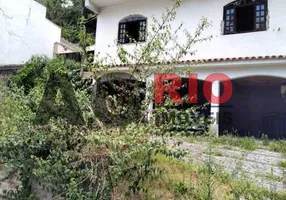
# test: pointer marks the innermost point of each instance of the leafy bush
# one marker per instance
(77, 163)
(174, 118)
(15, 113)
(69, 161)
(265, 140)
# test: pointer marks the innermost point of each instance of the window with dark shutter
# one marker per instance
(260, 17)
(229, 20)
(242, 16)
(132, 29)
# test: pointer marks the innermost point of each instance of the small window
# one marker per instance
(132, 29)
(244, 16)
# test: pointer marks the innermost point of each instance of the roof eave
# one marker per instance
(92, 6)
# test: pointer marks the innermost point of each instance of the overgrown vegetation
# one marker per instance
(192, 181)
(67, 14)
(90, 158)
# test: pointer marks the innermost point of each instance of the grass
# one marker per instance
(282, 164)
(181, 180)
(228, 141)
(278, 146)
(245, 143)
(176, 177)
(270, 176)
(217, 153)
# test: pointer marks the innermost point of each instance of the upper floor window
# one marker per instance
(243, 16)
(132, 29)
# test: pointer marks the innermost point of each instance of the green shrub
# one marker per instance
(265, 140)
(283, 164)
(278, 146)
(72, 162)
(15, 113)
(180, 188)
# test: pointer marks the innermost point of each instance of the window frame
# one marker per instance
(238, 3)
(130, 19)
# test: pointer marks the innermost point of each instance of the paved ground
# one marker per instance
(259, 166)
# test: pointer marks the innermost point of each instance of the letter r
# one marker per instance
(160, 88)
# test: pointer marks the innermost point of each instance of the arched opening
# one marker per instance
(257, 107)
(117, 97)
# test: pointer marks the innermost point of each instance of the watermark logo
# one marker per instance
(171, 83)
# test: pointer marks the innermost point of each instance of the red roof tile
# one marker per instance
(212, 60)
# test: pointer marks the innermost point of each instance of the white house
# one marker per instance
(248, 45)
(25, 31)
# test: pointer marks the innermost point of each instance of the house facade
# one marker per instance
(248, 45)
(25, 31)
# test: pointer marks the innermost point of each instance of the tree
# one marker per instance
(67, 14)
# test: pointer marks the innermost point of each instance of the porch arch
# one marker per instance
(114, 97)
(275, 74)
(256, 107)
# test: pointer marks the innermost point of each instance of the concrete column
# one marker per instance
(215, 109)
(150, 96)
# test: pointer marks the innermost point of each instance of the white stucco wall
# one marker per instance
(234, 70)
(25, 31)
(270, 42)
